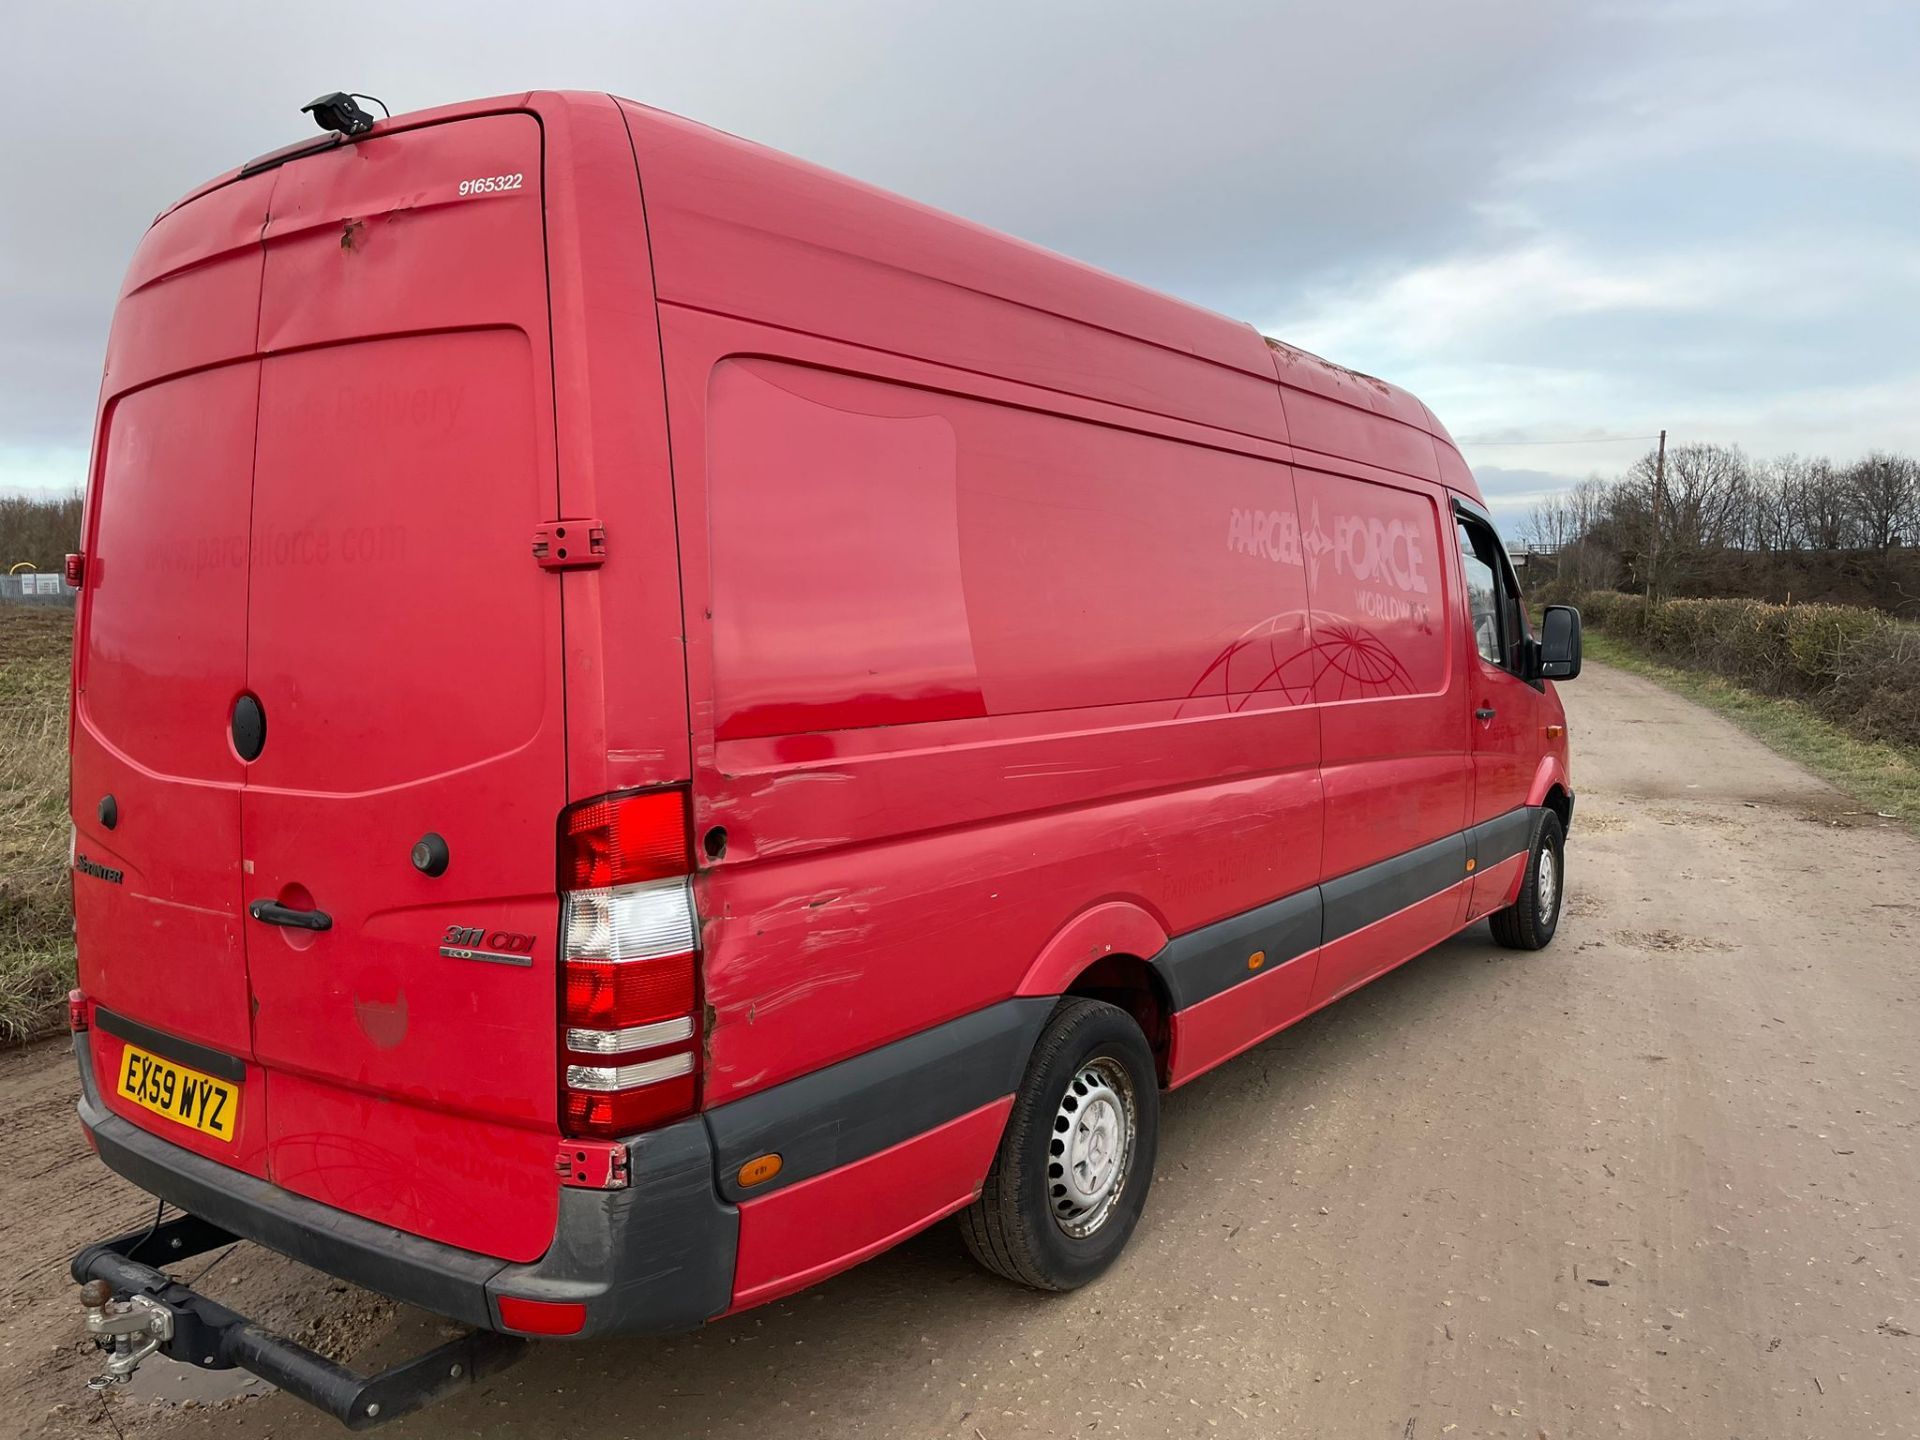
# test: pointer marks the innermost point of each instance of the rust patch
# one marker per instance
(351, 234)
(1298, 356)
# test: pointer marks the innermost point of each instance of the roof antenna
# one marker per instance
(338, 113)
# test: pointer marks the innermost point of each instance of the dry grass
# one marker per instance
(36, 914)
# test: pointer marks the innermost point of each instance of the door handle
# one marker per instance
(1485, 712)
(272, 912)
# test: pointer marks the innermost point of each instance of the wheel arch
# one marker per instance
(1103, 953)
(1551, 788)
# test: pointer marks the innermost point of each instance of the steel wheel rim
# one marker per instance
(1090, 1152)
(1547, 883)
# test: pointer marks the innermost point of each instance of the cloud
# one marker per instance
(50, 470)
(1546, 217)
(1477, 300)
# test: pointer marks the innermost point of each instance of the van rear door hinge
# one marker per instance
(570, 544)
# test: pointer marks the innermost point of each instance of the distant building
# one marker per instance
(35, 588)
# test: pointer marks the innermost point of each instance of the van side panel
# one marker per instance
(1391, 694)
(1148, 749)
(1217, 1029)
(823, 1225)
(625, 639)
(742, 230)
(1352, 434)
(1305, 377)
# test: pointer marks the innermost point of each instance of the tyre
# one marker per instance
(1071, 1176)
(1529, 923)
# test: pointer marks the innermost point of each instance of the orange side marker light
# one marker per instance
(1256, 960)
(759, 1170)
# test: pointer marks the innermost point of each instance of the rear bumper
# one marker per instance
(654, 1258)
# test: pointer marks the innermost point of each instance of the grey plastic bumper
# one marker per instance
(654, 1258)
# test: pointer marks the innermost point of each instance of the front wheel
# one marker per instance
(1071, 1176)
(1529, 923)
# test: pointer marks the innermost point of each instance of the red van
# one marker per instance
(649, 720)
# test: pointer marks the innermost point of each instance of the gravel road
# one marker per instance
(1662, 1179)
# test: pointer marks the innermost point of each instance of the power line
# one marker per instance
(1576, 440)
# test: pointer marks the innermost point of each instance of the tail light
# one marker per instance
(74, 571)
(630, 941)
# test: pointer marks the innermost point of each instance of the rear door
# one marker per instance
(161, 655)
(405, 649)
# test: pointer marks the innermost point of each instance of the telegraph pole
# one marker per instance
(1659, 498)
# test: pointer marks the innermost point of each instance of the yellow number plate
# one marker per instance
(184, 1096)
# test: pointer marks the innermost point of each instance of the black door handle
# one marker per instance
(274, 913)
(1485, 712)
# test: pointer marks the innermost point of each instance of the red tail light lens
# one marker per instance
(623, 840)
(74, 571)
(629, 1037)
(616, 995)
(611, 1114)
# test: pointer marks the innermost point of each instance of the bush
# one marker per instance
(1859, 668)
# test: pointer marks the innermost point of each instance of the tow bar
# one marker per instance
(134, 1311)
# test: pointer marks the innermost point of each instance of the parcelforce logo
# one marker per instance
(99, 872)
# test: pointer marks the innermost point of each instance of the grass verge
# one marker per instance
(36, 916)
(1884, 778)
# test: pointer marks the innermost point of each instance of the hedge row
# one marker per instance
(1859, 668)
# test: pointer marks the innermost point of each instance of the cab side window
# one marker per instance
(1493, 598)
(1483, 609)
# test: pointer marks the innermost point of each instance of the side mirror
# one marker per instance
(1559, 652)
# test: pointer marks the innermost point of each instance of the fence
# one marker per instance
(35, 589)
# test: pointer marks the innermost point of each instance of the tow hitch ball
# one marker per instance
(128, 1330)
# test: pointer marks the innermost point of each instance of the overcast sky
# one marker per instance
(1548, 219)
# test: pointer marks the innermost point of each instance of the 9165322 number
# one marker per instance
(490, 184)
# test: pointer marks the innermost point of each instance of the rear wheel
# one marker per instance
(1529, 923)
(1071, 1176)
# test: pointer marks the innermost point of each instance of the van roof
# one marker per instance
(322, 141)
(967, 253)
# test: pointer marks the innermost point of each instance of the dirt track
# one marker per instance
(1662, 1179)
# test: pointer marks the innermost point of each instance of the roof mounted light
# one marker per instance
(338, 113)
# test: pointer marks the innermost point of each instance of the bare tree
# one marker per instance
(1697, 508)
(1885, 494)
(1716, 522)
(38, 532)
(1551, 522)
